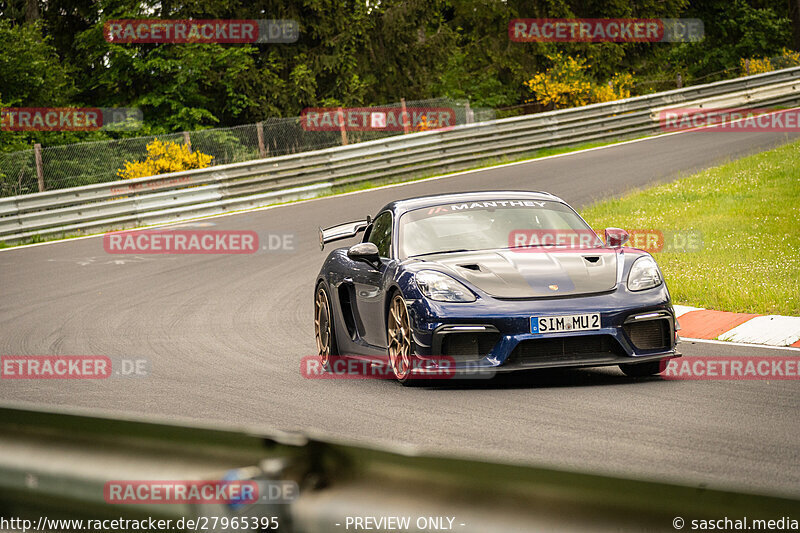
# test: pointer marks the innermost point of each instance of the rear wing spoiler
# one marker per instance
(342, 231)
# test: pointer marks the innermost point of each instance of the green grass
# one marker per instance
(748, 212)
(30, 240)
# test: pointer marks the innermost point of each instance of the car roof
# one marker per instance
(409, 204)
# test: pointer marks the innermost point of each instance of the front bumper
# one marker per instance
(504, 341)
(481, 370)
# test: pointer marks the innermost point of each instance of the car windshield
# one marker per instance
(488, 225)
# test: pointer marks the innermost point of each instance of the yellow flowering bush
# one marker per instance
(788, 58)
(425, 124)
(568, 84)
(757, 66)
(618, 88)
(163, 158)
(792, 57)
(562, 85)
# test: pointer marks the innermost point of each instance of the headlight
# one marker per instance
(442, 288)
(644, 274)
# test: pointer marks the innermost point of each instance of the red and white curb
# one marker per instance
(747, 328)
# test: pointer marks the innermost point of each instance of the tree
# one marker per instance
(794, 15)
(349, 53)
(30, 76)
(733, 29)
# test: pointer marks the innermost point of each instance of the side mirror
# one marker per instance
(364, 251)
(616, 237)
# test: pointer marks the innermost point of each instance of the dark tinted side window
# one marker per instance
(381, 234)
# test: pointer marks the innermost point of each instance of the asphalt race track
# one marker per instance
(224, 335)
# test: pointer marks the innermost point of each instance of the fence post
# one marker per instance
(186, 140)
(404, 115)
(340, 114)
(747, 67)
(37, 155)
(260, 133)
(679, 80)
(468, 112)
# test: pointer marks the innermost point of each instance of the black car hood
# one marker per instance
(533, 273)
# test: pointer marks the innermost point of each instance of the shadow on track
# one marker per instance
(542, 378)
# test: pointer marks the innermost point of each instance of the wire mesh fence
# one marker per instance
(18, 173)
(98, 162)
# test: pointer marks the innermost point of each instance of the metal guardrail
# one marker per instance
(55, 464)
(182, 195)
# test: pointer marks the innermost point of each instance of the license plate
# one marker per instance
(558, 324)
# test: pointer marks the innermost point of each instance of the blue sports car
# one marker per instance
(490, 282)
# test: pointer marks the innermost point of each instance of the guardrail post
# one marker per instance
(186, 140)
(404, 115)
(37, 155)
(340, 114)
(262, 152)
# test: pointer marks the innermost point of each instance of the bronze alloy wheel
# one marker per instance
(398, 328)
(323, 326)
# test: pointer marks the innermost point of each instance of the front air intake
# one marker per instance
(566, 349)
(649, 334)
(469, 345)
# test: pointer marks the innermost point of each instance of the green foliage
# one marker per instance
(350, 53)
(187, 86)
(734, 29)
(30, 70)
(31, 75)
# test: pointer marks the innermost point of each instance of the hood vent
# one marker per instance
(510, 274)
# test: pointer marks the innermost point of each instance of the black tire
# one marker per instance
(324, 327)
(641, 370)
